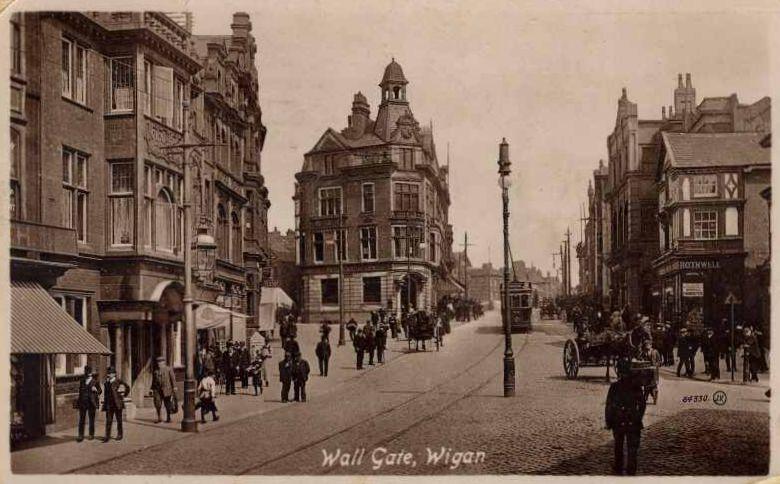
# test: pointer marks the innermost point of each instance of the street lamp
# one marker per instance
(338, 244)
(505, 182)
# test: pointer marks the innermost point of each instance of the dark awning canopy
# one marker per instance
(40, 326)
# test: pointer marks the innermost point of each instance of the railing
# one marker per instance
(43, 238)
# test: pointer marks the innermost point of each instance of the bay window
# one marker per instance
(705, 224)
(121, 212)
(406, 197)
(406, 241)
(120, 85)
(705, 186)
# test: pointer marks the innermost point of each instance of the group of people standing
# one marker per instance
(87, 402)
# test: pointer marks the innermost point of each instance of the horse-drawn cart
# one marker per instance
(421, 328)
(605, 349)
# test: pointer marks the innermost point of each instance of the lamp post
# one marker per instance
(337, 243)
(205, 247)
(505, 182)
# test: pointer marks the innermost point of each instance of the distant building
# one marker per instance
(485, 283)
(284, 271)
(374, 196)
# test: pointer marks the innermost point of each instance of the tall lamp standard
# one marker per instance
(505, 182)
(338, 244)
(205, 246)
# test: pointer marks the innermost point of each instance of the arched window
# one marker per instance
(397, 92)
(236, 242)
(222, 232)
(164, 221)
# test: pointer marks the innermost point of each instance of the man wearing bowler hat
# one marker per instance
(114, 402)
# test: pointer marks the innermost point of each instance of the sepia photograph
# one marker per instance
(431, 238)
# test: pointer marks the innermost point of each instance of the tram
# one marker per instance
(520, 305)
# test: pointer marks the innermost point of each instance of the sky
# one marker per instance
(547, 79)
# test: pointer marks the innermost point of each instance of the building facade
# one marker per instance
(285, 271)
(485, 284)
(713, 230)
(373, 197)
(101, 104)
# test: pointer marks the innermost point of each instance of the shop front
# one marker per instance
(41, 331)
(694, 289)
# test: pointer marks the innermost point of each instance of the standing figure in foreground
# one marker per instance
(623, 413)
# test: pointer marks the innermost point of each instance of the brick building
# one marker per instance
(98, 101)
(713, 230)
(377, 186)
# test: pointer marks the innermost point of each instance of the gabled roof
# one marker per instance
(714, 104)
(715, 149)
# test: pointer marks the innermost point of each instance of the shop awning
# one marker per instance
(209, 316)
(271, 299)
(40, 326)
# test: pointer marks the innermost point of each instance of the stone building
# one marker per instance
(485, 284)
(100, 100)
(374, 196)
(594, 272)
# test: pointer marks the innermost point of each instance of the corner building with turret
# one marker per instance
(374, 195)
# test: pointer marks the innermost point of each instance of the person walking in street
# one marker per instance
(752, 355)
(88, 402)
(325, 330)
(380, 341)
(207, 392)
(624, 411)
(114, 391)
(265, 354)
(359, 343)
(393, 323)
(164, 389)
(291, 346)
(352, 327)
(256, 372)
(300, 376)
(286, 376)
(323, 355)
(730, 352)
(369, 342)
(229, 367)
(650, 354)
(669, 342)
(710, 347)
(686, 351)
(244, 362)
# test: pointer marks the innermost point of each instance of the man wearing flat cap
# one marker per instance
(114, 390)
(163, 388)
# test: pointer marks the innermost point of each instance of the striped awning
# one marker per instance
(40, 326)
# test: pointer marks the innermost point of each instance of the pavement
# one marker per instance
(443, 413)
(59, 453)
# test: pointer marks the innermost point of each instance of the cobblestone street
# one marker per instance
(452, 399)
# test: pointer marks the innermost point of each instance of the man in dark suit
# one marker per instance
(285, 376)
(380, 341)
(114, 402)
(300, 373)
(323, 355)
(623, 413)
(369, 342)
(229, 364)
(359, 343)
(88, 401)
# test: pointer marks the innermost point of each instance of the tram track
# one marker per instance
(397, 434)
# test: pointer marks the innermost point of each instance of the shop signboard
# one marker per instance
(693, 289)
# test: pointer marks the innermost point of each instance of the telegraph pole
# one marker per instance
(466, 245)
(568, 261)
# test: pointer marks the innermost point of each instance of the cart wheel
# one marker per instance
(571, 359)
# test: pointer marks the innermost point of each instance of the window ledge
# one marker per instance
(77, 104)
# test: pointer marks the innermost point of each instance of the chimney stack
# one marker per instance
(679, 80)
(663, 112)
(688, 80)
